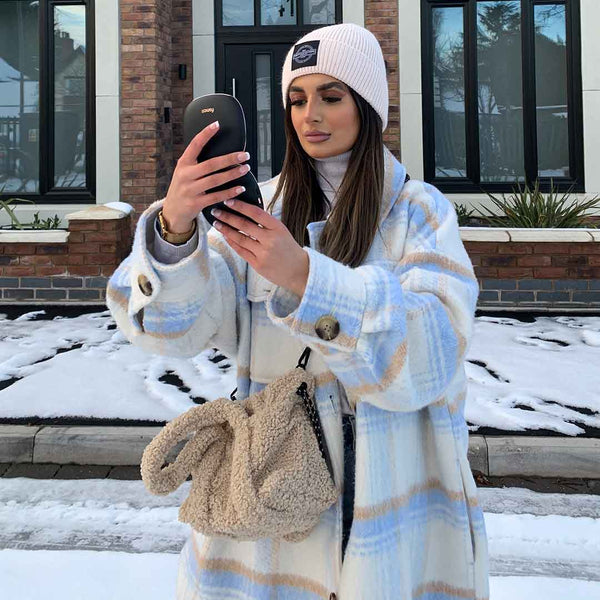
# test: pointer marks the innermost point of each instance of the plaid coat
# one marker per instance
(406, 317)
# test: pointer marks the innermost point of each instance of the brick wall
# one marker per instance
(381, 19)
(537, 274)
(75, 271)
(155, 38)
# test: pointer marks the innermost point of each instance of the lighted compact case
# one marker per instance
(231, 137)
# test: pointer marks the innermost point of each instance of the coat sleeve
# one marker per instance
(182, 308)
(404, 324)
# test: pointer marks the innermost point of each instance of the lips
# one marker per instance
(317, 136)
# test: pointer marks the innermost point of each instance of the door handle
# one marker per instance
(233, 87)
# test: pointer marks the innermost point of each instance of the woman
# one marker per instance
(370, 272)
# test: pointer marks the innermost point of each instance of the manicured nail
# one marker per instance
(244, 169)
(230, 202)
(242, 156)
(214, 125)
(217, 224)
(240, 189)
(215, 212)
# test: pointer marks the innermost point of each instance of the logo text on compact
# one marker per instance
(207, 110)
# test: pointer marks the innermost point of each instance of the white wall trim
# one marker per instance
(203, 47)
(353, 11)
(590, 75)
(108, 67)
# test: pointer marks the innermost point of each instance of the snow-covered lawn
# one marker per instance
(101, 539)
(539, 375)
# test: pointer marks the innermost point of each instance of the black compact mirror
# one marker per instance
(231, 137)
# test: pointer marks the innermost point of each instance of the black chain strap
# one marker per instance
(313, 413)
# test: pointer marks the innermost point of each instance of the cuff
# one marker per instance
(332, 290)
(168, 253)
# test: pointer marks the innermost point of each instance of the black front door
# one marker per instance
(252, 73)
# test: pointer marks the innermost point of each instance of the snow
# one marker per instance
(100, 538)
(521, 375)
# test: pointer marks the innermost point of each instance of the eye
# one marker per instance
(332, 99)
(296, 102)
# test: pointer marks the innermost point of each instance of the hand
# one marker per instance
(187, 192)
(268, 246)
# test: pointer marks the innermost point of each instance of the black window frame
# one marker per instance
(471, 183)
(284, 31)
(48, 194)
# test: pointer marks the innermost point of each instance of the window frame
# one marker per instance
(471, 183)
(48, 193)
(261, 30)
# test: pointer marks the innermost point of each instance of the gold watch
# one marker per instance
(174, 238)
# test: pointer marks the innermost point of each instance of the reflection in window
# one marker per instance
(69, 96)
(19, 97)
(317, 12)
(263, 116)
(278, 12)
(238, 12)
(449, 92)
(499, 93)
(551, 90)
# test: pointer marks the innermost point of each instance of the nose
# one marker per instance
(313, 112)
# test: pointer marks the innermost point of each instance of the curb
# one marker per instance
(494, 456)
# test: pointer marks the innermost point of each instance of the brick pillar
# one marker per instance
(146, 140)
(182, 91)
(381, 19)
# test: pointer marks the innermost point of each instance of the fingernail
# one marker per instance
(244, 169)
(215, 212)
(229, 202)
(217, 224)
(243, 156)
(214, 125)
(240, 189)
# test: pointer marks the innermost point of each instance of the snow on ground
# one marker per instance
(521, 375)
(93, 539)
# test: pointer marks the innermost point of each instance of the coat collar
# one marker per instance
(394, 173)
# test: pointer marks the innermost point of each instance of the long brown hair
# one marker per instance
(354, 219)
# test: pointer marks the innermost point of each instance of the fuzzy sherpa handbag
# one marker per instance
(260, 466)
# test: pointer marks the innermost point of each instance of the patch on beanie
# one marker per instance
(305, 55)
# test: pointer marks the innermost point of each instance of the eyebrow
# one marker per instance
(325, 86)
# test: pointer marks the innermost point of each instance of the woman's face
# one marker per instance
(323, 106)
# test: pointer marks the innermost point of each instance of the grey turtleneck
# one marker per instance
(331, 171)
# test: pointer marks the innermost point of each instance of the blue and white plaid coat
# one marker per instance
(406, 317)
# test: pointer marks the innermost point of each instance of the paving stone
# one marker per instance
(16, 443)
(92, 445)
(82, 472)
(129, 472)
(477, 454)
(32, 470)
(544, 456)
(547, 485)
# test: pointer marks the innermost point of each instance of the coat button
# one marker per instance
(144, 285)
(327, 327)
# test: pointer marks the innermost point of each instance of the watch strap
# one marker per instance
(174, 238)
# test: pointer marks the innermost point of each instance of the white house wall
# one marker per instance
(107, 46)
(590, 56)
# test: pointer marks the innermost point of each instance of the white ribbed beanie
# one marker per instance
(347, 52)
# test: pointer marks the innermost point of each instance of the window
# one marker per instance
(277, 13)
(46, 100)
(501, 94)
